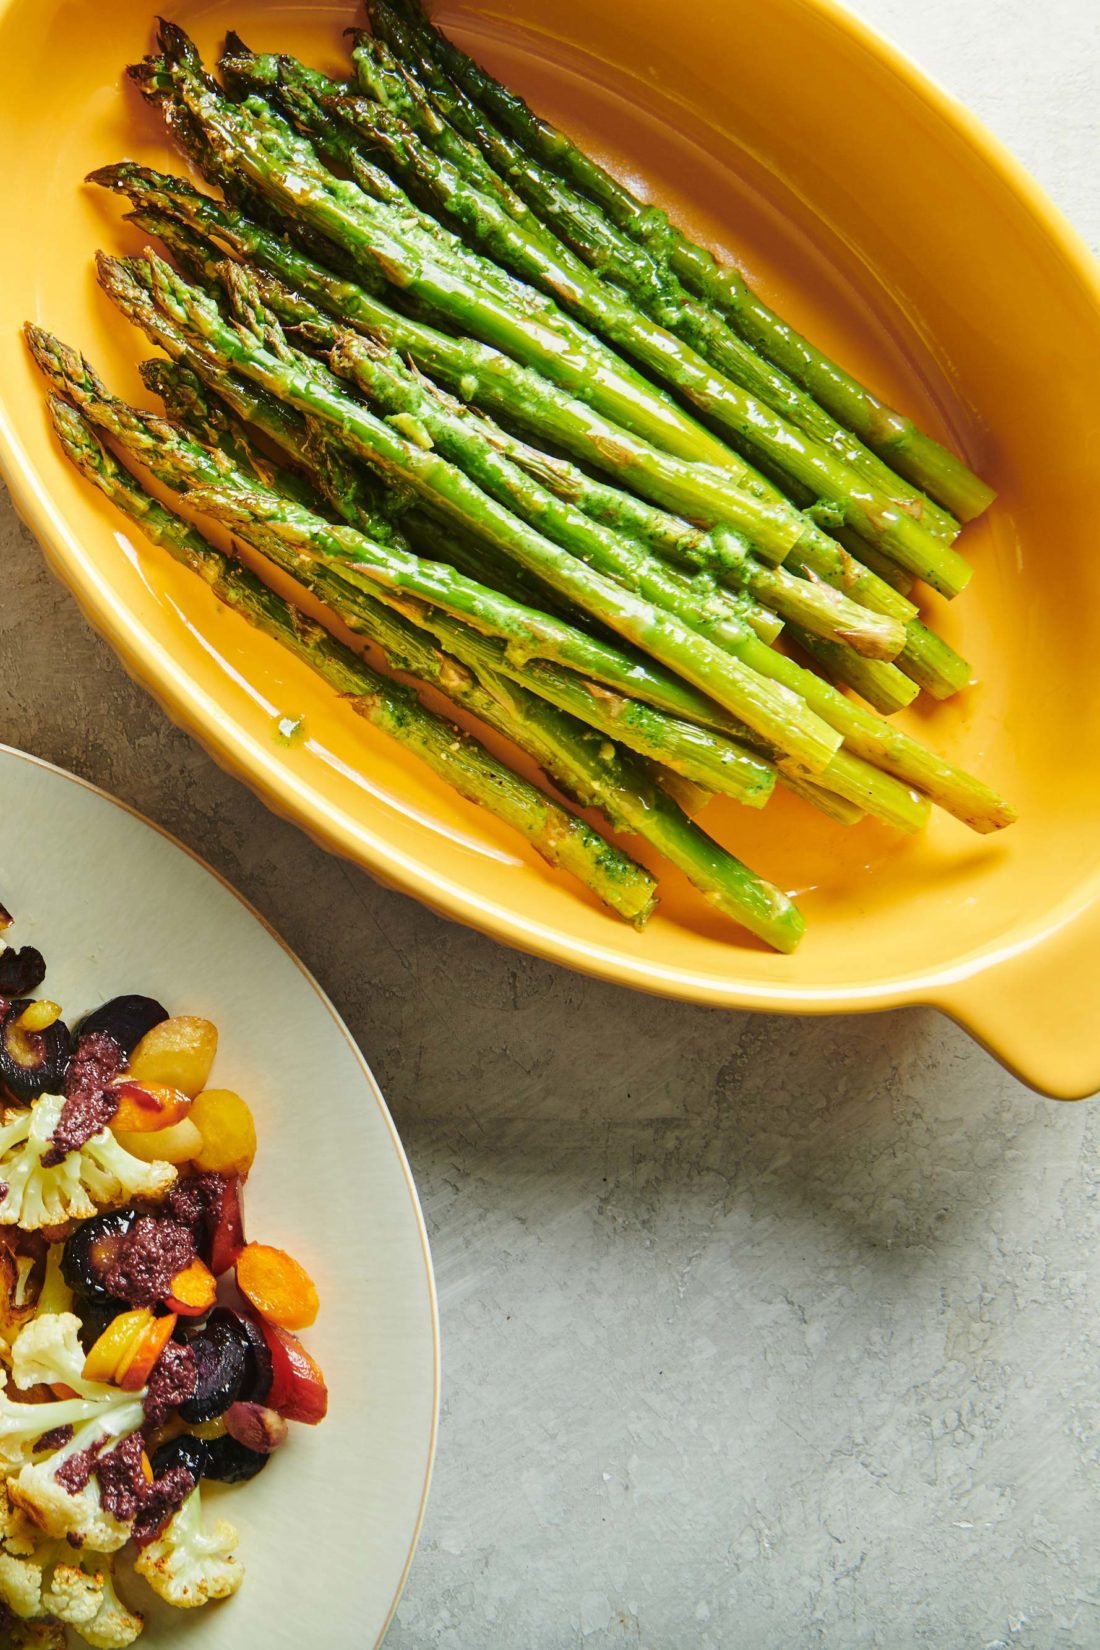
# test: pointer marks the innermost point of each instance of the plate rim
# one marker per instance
(376, 1092)
(150, 663)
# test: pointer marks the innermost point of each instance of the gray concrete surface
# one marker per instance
(759, 1334)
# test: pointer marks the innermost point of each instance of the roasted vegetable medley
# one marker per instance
(145, 1345)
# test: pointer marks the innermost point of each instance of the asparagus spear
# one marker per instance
(778, 716)
(306, 96)
(926, 657)
(859, 787)
(477, 273)
(724, 555)
(697, 754)
(589, 771)
(751, 425)
(512, 393)
(299, 92)
(863, 788)
(457, 757)
(499, 385)
(886, 431)
(532, 633)
(311, 120)
(958, 792)
(435, 270)
(874, 741)
(592, 767)
(528, 634)
(439, 111)
(708, 758)
(482, 451)
(344, 486)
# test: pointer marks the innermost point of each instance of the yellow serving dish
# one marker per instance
(878, 216)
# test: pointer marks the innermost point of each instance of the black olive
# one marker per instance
(92, 1251)
(31, 1062)
(232, 1463)
(188, 1453)
(21, 972)
(259, 1371)
(126, 1019)
(221, 1351)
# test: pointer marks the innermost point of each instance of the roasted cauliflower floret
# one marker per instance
(47, 1352)
(189, 1566)
(99, 1175)
(44, 1449)
(44, 1580)
(81, 1592)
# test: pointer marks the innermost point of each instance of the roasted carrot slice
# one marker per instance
(281, 1291)
(142, 1360)
(117, 1345)
(228, 1132)
(193, 1290)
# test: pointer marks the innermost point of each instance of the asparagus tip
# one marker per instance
(235, 46)
(109, 177)
(59, 361)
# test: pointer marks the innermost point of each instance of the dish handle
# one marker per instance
(1037, 1008)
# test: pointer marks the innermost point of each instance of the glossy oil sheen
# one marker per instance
(869, 210)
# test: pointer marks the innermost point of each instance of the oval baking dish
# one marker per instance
(876, 215)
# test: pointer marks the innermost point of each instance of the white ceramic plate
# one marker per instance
(328, 1530)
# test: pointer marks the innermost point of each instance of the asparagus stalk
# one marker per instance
(860, 787)
(803, 602)
(751, 425)
(832, 806)
(531, 633)
(591, 767)
(517, 701)
(886, 690)
(848, 787)
(482, 451)
(513, 394)
(561, 839)
(719, 765)
(778, 716)
(697, 754)
(887, 432)
(710, 759)
(952, 788)
(926, 658)
(528, 634)
(439, 111)
(343, 486)
(436, 270)
(958, 792)
(299, 93)
(882, 686)
(307, 96)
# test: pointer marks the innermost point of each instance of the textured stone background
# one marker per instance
(758, 1333)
